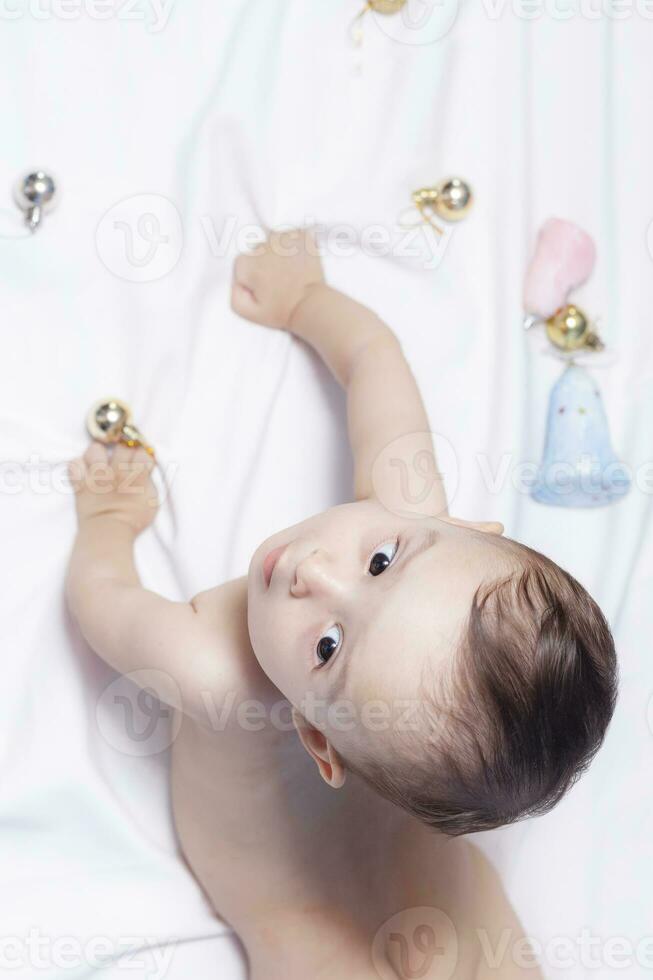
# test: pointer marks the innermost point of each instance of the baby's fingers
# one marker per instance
(96, 453)
(245, 270)
(77, 473)
(244, 303)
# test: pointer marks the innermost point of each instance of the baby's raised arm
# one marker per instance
(282, 285)
(181, 650)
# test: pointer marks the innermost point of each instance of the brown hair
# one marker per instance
(528, 701)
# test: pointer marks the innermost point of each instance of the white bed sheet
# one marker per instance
(263, 111)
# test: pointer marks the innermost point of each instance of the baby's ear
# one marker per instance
(330, 765)
(486, 527)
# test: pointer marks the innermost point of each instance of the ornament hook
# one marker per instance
(450, 200)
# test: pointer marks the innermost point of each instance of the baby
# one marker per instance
(440, 676)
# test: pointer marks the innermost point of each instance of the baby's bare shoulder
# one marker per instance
(222, 613)
(505, 949)
(223, 608)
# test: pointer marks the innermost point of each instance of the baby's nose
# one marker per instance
(316, 574)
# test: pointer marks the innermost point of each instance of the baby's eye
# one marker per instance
(328, 645)
(382, 557)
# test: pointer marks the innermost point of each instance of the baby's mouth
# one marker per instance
(269, 563)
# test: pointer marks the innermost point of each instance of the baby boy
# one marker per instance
(442, 678)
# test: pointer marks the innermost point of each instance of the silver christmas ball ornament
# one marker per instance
(36, 195)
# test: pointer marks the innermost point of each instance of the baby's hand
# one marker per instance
(270, 283)
(116, 484)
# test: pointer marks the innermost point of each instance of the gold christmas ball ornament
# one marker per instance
(377, 7)
(569, 330)
(451, 200)
(454, 199)
(386, 6)
(106, 420)
(109, 421)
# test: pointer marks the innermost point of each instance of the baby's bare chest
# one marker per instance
(246, 809)
(260, 831)
(257, 825)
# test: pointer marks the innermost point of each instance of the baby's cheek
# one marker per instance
(256, 627)
(262, 638)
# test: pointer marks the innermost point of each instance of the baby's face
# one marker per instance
(345, 609)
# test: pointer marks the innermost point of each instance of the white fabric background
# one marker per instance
(264, 111)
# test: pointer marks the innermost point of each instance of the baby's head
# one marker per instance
(465, 677)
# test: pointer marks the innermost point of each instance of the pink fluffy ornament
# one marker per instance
(579, 467)
(563, 260)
